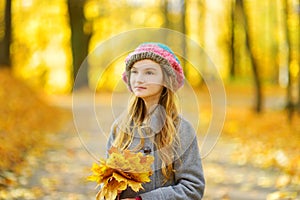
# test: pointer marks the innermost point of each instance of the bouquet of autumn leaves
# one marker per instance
(119, 171)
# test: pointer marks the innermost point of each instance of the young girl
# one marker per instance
(153, 126)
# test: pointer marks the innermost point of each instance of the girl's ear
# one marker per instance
(124, 77)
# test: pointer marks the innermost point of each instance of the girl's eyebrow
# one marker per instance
(148, 68)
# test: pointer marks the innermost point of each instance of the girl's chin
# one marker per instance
(140, 95)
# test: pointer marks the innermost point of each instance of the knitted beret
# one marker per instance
(160, 54)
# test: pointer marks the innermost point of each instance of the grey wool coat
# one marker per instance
(188, 180)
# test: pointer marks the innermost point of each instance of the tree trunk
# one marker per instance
(165, 10)
(252, 57)
(183, 30)
(298, 104)
(80, 42)
(289, 100)
(5, 43)
(231, 45)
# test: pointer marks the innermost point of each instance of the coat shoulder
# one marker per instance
(186, 130)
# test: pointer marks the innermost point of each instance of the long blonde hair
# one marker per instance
(165, 141)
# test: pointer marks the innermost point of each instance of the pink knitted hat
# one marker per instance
(161, 54)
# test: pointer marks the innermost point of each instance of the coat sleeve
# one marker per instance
(189, 178)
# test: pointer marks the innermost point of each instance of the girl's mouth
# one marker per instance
(140, 88)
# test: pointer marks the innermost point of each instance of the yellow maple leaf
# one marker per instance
(135, 186)
(117, 161)
(120, 171)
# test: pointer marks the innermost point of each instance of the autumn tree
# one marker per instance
(254, 61)
(291, 103)
(298, 104)
(176, 10)
(232, 38)
(5, 42)
(80, 41)
(183, 30)
(165, 10)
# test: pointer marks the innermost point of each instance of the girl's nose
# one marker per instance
(140, 78)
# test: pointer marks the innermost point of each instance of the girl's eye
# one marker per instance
(149, 73)
(133, 71)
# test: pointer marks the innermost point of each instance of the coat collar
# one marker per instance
(157, 119)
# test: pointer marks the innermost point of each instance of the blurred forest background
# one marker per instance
(45, 42)
(255, 45)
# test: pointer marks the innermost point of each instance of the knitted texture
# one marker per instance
(162, 55)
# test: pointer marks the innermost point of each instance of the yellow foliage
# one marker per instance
(24, 120)
(40, 50)
(266, 140)
(282, 195)
(119, 171)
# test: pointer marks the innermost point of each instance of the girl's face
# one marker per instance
(146, 80)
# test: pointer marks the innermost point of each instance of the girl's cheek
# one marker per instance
(131, 82)
(132, 79)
